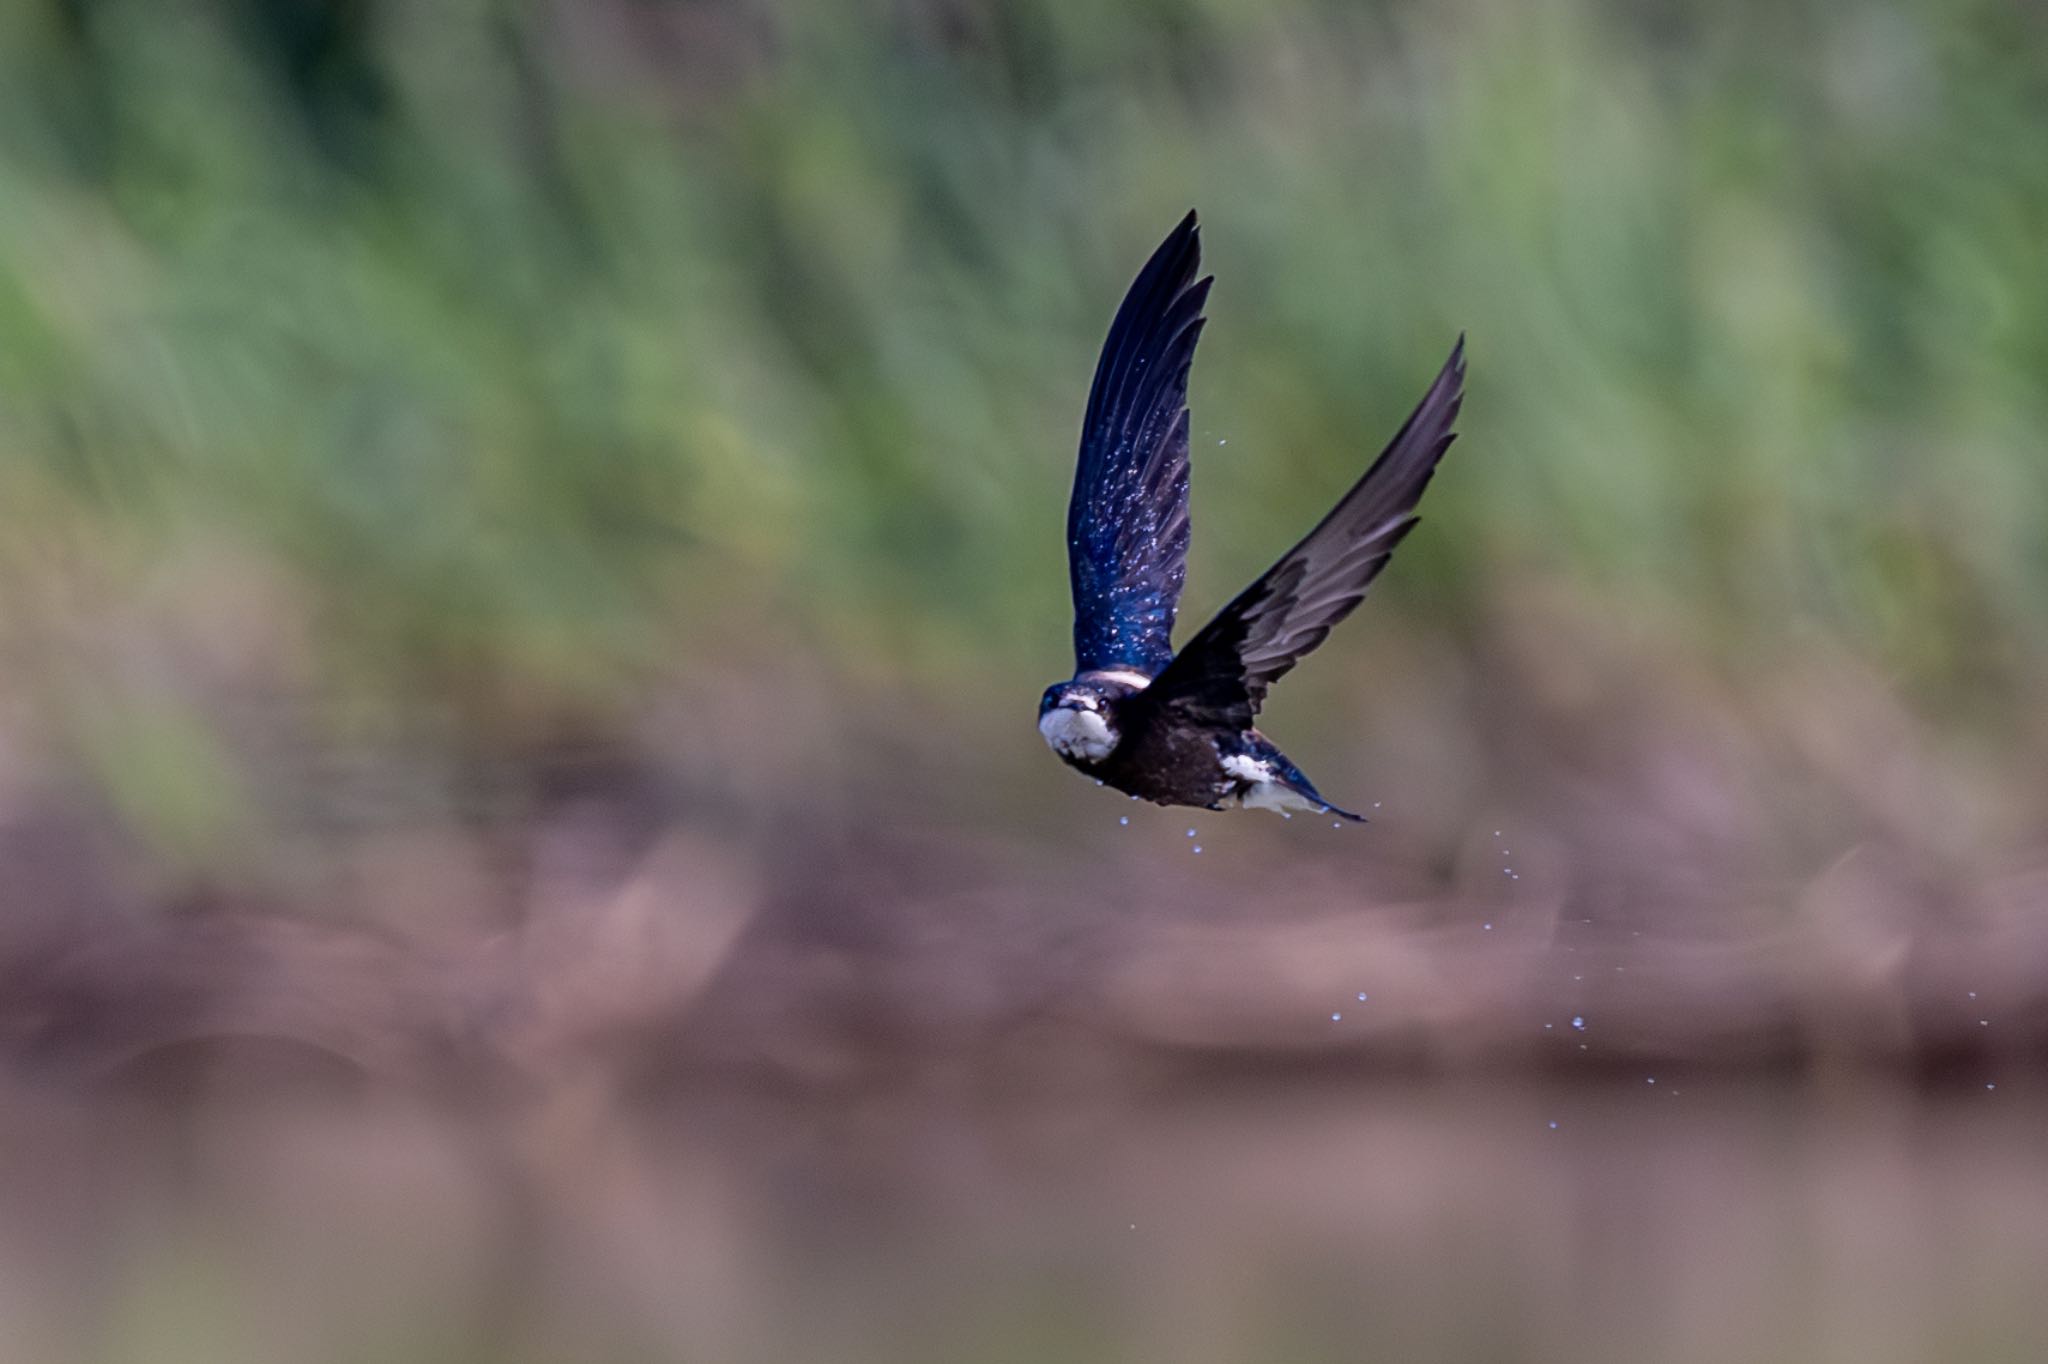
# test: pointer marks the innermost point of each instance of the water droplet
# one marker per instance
(1123, 819)
(1191, 833)
(1487, 927)
(1578, 1022)
(1983, 1022)
(1361, 996)
(1336, 1018)
(1336, 824)
(1553, 1126)
(1973, 994)
(1652, 1080)
(1990, 1086)
(1198, 847)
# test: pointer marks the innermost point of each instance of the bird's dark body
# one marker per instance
(1177, 728)
(1172, 763)
(1181, 765)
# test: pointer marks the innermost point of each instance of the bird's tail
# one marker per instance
(1295, 780)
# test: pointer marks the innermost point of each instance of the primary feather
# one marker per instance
(1127, 525)
(1223, 674)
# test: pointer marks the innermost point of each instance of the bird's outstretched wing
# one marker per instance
(1127, 526)
(1222, 675)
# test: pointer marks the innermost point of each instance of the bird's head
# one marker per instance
(1079, 718)
(1075, 719)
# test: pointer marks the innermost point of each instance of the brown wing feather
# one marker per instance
(1222, 675)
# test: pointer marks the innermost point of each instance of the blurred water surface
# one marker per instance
(1696, 1219)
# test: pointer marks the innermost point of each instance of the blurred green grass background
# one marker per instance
(503, 362)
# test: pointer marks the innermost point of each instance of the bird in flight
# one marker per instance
(1177, 728)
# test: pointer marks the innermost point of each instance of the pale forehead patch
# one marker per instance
(1124, 675)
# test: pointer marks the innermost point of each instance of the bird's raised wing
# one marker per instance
(1127, 526)
(1222, 675)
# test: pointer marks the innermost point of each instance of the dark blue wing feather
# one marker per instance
(1127, 526)
(1221, 677)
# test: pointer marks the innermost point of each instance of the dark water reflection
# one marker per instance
(1326, 1218)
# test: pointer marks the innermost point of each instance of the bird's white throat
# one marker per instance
(1078, 734)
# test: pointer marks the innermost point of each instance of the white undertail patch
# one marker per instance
(1279, 799)
(1264, 790)
(1248, 769)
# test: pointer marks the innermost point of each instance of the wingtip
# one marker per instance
(1452, 376)
(1183, 247)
